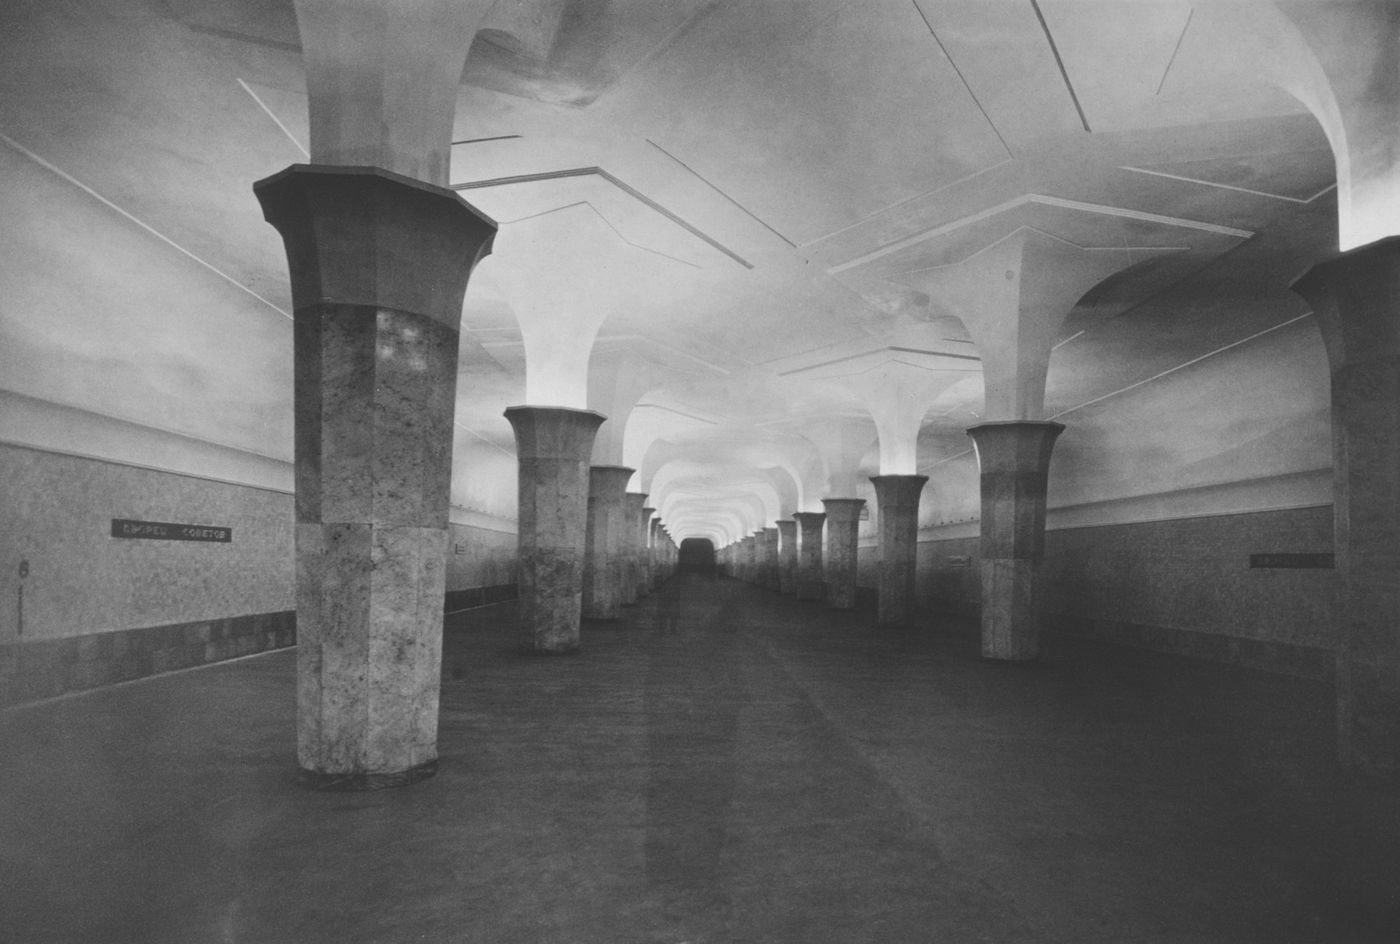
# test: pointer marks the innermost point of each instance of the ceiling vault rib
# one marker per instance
(1175, 49)
(1042, 200)
(971, 94)
(875, 353)
(243, 37)
(1147, 380)
(497, 137)
(275, 120)
(907, 200)
(627, 338)
(631, 191)
(1060, 63)
(491, 443)
(915, 350)
(671, 409)
(707, 182)
(1211, 183)
(1195, 360)
(69, 178)
(606, 222)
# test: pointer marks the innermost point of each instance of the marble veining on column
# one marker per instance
(1014, 459)
(644, 574)
(842, 547)
(897, 499)
(787, 556)
(553, 445)
(810, 585)
(605, 542)
(379, 265)
(633, 503)
(1356, 302)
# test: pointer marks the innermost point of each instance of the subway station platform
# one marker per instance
(724, 765)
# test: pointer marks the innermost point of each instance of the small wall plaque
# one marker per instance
(1293, 561)
(961, 560)
(169, 531)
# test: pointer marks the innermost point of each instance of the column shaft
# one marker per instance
(379, 264)
(787, 556)
(810, 585)
(632, 559)
(553, 445)
(644, 568)
(842, 550)
(769, 567)
(603, 559)
(1014, 459)
(1356, 300)
(657, 555)
(897, 498)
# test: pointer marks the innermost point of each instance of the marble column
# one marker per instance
(842, 550)
(810, 585)
(787, 556)
(750, 559)
(1356, 301)
(897, 498)
(633, 502)
(769, 577)
(644, 551)
(1014, 459)
(553, 445)
(658, 554)
(379, 264)
(602, 561)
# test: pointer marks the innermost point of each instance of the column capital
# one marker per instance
(898, 490)
(553, 432)
(1354, 298)
(843, 508)
(1018, 445)
(810, 519)
(609, 481)
(365, 236)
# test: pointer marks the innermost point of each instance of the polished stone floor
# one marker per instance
(725, 765)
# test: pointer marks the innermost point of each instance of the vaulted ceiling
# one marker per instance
(763, 209)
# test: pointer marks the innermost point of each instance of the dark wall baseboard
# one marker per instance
(1307, 662)
(48, 668)
(480, 596)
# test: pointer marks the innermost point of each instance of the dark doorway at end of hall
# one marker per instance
(697, 555)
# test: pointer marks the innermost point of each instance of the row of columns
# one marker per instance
(811, 556)
(587, 546)
(379, 253)
(628, 552)
(1014, 463)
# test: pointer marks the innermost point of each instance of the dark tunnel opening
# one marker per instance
(697, 555)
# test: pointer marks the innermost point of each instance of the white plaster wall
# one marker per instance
(1245, 430)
